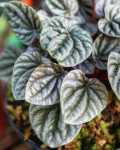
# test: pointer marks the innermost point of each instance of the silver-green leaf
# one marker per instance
(23, 68)
(65, 8)
(23, 20)
(43, 87)
(7, 60)
(110, 25)
(49, 127)
(114, 72)
(102, 47)
(69, 46)
(43, 15)
(102, 4)
(82, 99)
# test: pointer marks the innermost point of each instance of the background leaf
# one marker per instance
(82, 99)
(65, 8)
(23, 20)
(44, 85)
(88, 66)
(114, 72)
(102, 4)
(91, 28)
(68, 46)
(7, 60)
(48, 126)
(110, 25)
(102, 47)
(77, 21)
(85, 9)
(23, 68)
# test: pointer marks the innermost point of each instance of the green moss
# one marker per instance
(104, 125)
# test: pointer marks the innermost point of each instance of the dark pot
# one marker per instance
(35, 143)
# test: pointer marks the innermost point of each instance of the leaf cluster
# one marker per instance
(51, 73)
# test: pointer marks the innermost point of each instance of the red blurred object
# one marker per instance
(2, 111)
(28, 2)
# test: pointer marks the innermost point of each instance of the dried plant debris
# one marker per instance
(103, 132)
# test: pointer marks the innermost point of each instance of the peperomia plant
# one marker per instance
(52, 74)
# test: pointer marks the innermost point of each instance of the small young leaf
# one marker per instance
(68, 46)
(88, 66)
(23, 20)
(114, 72)
(82, 99)
(7, 60)
(43, 16)
(102, 47)
(110, 25)
(49, 127)
(23, 68)
(65, 8)
(102, 4)
(44, 85)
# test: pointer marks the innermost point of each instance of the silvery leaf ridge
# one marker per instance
(43, 87)
(49, 127)
(82, 99)
(23, 69)
(102, 47)
(113, 69)
(8, 58)
(23, 20)
(65, 8)
(110, 25)
(69, 46)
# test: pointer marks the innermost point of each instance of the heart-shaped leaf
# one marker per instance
(24, 21)
(102, 4)
(7, 60)
(44, 85)
(82, 99)
(49, 127)
(114, 72)
(88, 66)
(68, 46)
(65, 8)
(102, 47)
(23, 68)
(111, 24)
